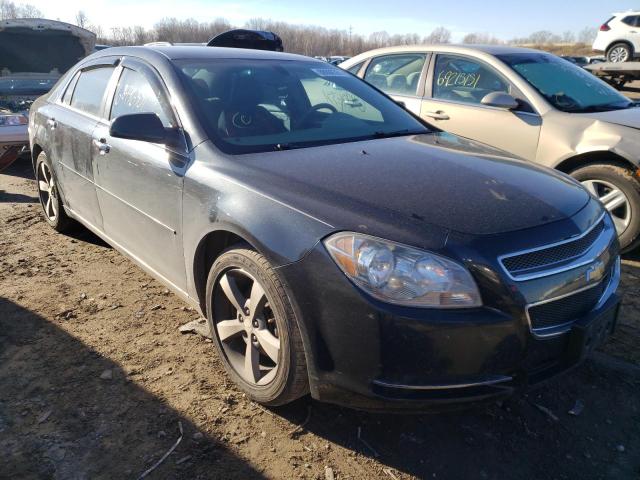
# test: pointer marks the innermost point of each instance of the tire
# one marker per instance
(234, 270)
(599, 178)
(48, 192)
(619, 52)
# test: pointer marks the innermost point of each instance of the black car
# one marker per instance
(335, 243)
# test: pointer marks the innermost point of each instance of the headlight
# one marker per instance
(403, 275)
(12, 120)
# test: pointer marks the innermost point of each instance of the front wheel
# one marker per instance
(620, 52)
(618, 190)
(255, 328)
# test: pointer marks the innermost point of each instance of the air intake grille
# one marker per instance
(547, 257)
(567, 309)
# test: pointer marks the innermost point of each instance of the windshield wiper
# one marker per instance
(601, 108)
(397, 133)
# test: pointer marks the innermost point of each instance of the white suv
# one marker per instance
(619, 37)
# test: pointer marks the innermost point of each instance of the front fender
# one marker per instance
(213, 201)
(563, 138)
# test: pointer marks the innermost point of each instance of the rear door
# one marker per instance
(139, 184)
(401, 76)
(456, 86)
(72, 124)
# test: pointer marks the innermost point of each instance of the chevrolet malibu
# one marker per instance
(336, 244)
(529, 103)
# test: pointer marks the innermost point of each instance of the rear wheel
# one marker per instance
(49, 195)
(619, 52)
(255, 328)
(616, 187)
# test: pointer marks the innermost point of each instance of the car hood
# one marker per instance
(436, 178)
(41, 46)
(629, 117)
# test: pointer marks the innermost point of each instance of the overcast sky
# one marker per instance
(502, 19)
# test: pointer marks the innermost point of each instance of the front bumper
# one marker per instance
(370, 355)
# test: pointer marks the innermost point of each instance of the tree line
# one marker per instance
(304, 39)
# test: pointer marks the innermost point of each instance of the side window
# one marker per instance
(396, 74)
(355, 69)
(135, 94)
(90, 88)
(465, 80)
(66, 98)
(632, 21)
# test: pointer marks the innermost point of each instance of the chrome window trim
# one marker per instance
(554, 331)
(564, 268)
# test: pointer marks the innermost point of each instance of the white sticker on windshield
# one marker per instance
(329, 72)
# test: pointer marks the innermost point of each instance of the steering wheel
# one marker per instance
(314, 109)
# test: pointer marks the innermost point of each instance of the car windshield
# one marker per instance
(25, 86)
(568, 87)
(269, 105)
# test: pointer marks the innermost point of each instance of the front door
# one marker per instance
(139, 184)
(457, 86)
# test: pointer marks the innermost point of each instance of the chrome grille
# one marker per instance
(548, 257)
(563, 311)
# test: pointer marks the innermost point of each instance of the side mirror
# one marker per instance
(145, 127)
(500, 100)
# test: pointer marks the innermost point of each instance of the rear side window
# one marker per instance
(90, 88)
(465, 80)
(631, 20)
(66, 98)
(396, 74)
(135, 94)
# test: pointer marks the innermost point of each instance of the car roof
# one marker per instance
(440, 48)
(197, 52)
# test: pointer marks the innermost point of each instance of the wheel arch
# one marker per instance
(615, 42)
(592, 158)
(36, 150)
(209, 248)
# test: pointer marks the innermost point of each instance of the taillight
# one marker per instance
(605, 28)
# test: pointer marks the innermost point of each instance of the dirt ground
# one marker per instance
(96, 382)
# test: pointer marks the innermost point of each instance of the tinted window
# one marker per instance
(355, 69)
(274, 105)
(90, 88)
(134, 94)
(566, 86)
(632, 20)
(465, 80)
(396, 74)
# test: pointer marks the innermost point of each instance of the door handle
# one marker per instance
(51, 122)
(103, 146)
(439, 115)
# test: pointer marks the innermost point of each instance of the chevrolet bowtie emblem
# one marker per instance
(595, 271)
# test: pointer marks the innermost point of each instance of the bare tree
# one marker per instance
(587, 35)
(568, 37)
(481, 39)
(11, 10)
(81, 19)
(439, 35)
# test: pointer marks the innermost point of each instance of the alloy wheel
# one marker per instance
(614, 200)
(246, 327)
(618, 54)
(47, 192)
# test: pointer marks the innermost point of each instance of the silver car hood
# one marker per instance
(42, 46)
(629, 117)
